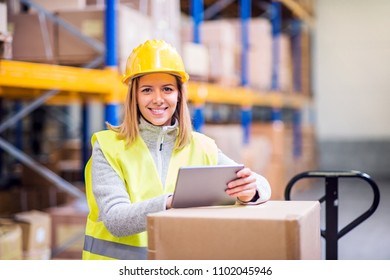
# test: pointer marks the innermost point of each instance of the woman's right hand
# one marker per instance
(169, 202)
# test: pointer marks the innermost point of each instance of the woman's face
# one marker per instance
(157, 96)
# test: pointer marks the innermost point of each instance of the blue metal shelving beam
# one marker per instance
(297, 134)
(275, 13)
(197, 15)
(246, 111)
(112, 108)
(245, 14)
(111, 112)
(111, 34)
(85, 137)
(297, 84)
(276, 22)
(297, 54)
(276, 114)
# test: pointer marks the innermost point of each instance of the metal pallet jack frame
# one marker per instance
(331, 232)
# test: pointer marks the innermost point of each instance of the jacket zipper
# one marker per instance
(159, 150)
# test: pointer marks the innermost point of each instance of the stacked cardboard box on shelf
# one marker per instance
(259, 63)
(269, 151)
(3, 18)
(218, 37)
(196, 61)
(5, 46)
(36, 192)
(35, 36)
(55, 5)
(55, 44)
(307, 160)
(36, 232)
(41, 235)
(129, 34)
(306, 63)
(72, 50)
(5, 36)
(90, 21)
(284, 64)
(10, 201)
(33, 40)
(69, 163)
(228, 138)
(10, 240)
(67, 232)
(223, 38)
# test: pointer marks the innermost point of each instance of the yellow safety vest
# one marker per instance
(135, 166)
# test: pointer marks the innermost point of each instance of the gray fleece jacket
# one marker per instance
(120, 216)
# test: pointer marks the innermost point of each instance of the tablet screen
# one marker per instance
(204, 185)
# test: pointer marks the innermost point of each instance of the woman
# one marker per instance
(133, 167)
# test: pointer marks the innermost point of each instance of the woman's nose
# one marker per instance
(158, 98)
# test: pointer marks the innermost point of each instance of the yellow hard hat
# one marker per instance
(154, 56)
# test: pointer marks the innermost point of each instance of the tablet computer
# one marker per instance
(204, 185)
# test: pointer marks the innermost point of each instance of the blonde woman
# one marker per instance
(133, 167)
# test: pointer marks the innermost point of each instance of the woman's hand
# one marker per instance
(244, 187)
(169, 202)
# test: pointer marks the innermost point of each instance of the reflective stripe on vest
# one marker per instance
(136, 159)
(114, 250)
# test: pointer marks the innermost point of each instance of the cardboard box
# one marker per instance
(277, 134)
(90, 22)
(36, 229)
(9, 201)
(259, 54)
(230, 146)
(3, 18)
(260, 68)
(72, 49)
(30, 177)
(218, 36)
(10, 240)
(275, 230)
(130, 35)
(284, 64)
(5, 46)
(56, 5)
(68, 231)
(33, 40)
(196, 59)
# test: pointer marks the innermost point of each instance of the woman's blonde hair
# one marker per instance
(129, 128)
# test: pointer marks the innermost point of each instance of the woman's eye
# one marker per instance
(168, 89)
(146, 90)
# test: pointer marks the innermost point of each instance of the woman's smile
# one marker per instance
(157, 97)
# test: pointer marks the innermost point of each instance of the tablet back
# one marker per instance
(204, 185)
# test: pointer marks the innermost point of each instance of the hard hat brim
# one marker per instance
(184, 77)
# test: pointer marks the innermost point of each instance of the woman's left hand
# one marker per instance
(244, 187)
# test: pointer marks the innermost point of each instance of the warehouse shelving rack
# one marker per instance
(56, 84)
